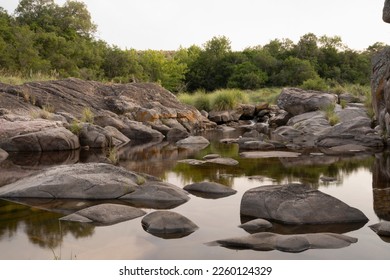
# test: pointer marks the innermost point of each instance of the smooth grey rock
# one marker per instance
(348, 149)
(265, 241)
(105, 214)
(157, 195)
(209, 190)
(76, 181)
(350, 113)
(256, 145)
(193, 140)
(256, 225)
(176, 134)
(382, 228)
(297, 204)
(357, 131)
(211, 156)
(297, 101)
(36, 136)
(167, 224)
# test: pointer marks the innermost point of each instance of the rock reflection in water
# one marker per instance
(381, 185)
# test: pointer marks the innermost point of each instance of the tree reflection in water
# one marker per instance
(43, 228)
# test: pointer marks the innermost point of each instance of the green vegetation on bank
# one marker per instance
(42, 40)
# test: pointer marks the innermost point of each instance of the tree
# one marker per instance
(247, 76)
(295, 71)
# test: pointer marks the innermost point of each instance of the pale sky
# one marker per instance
(169, 24)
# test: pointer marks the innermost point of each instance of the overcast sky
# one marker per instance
(169, 24)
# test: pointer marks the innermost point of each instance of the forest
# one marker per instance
(60, 41)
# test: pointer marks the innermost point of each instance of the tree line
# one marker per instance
(41, 36)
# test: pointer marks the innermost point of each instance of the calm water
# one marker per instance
(34, 233)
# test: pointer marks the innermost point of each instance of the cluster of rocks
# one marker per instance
(67, 114)
(300, 121)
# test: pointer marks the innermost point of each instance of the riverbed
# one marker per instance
(361, 181)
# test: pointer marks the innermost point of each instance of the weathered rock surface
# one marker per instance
(265, 241)
(209, 190)
(297, 204)
(357, 131)
(128, 104)
(95, 136)
(96, 181)
(167, 224)
(297, 101)
(79, 181)
(382, 228)
(23, 134)
(105, 214)
(256, 225)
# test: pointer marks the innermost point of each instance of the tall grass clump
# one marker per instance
(268, 95)
(228, 99)
(18, 78)
(87, 116)
(330, 114)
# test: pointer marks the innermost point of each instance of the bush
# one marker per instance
(202, 102)
(330, 114)
(315, 84)
(87, 116)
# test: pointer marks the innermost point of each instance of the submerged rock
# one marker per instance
(209, 190)
(105, 214)
(297, 243)
(219, 161)
(297, 204)
(256, 225)
(193, 140)
(269, 154)
(167, 224)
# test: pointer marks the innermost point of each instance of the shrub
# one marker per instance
(228, 99)
(202, 102)
(315, 84)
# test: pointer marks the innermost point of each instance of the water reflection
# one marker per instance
(42, 227)
(381, 185)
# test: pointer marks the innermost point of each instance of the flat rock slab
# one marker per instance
(382, 229)
(193, 140)
(209, 190)
(297, 204)
(167, 224)
(256, 225)
(265, 241)
(78, 181)
(220, 161)
(105, 214)
(97, 181)
(269, 154)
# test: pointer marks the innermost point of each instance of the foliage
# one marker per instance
(315, 84)
(44, 37)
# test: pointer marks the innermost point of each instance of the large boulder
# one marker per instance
(145, 103)
(357, 131)
(77, 181)
(297, 204)
(96, 181)
(95, 136)
(167, 224)
(265, 241)
(298, 101)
